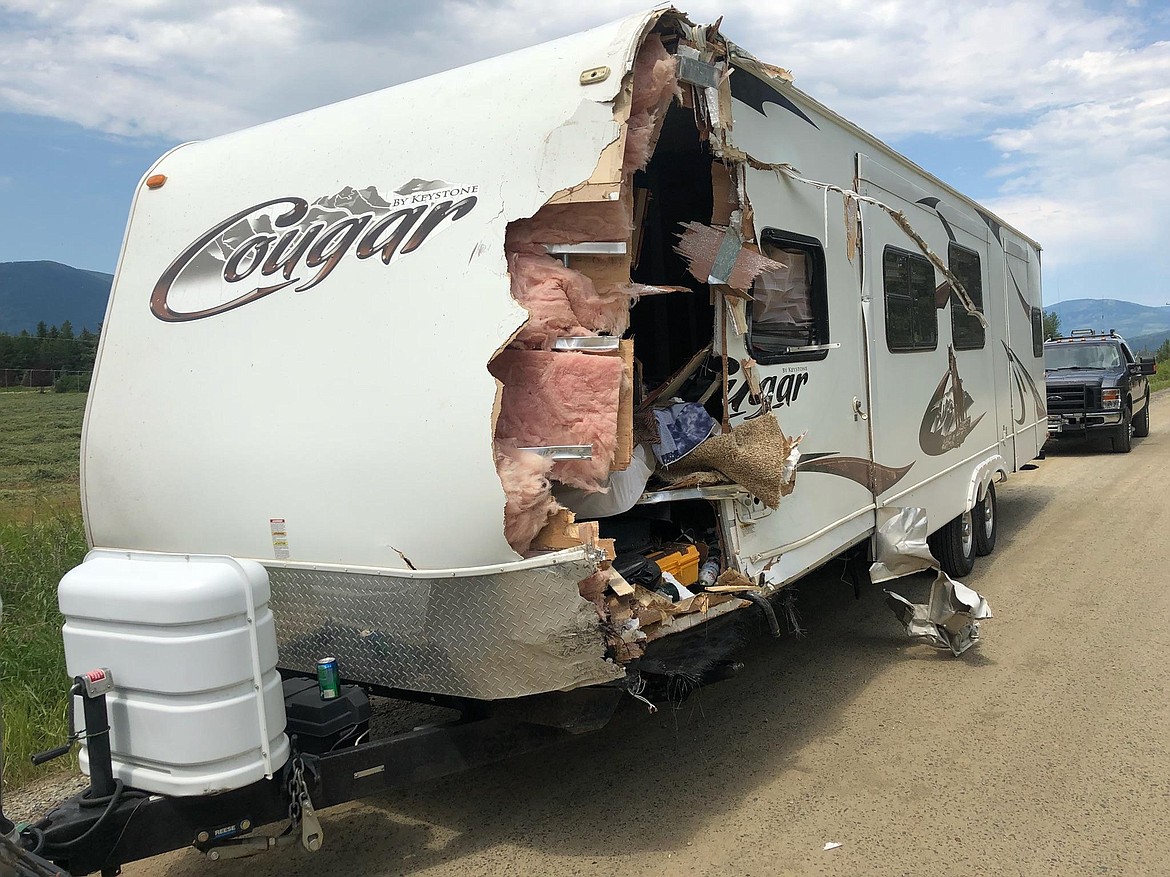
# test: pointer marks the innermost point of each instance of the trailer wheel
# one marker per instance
(1123, 438)
(954, 545)
(985, 517)
(1141, 423)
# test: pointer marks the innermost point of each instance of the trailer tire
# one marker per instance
(953, 546)
(1141, 423)
(1123, 438)
(985, 519)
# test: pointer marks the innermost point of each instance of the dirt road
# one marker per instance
(1045, 751)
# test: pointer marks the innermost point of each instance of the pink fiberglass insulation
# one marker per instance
(571, 224)
(563, 398)
(563, 302)
(545, 288)
(655, 83)
(524, 476)
(605, 310)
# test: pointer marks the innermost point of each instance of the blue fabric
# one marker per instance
(681, 428)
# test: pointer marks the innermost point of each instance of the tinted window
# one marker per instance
(911, 319)
(1037, 333)
(1082, 355)
(966, 331)
(789, 310)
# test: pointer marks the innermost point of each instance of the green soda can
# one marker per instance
(327, 681)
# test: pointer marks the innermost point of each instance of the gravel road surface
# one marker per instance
(1045, 751)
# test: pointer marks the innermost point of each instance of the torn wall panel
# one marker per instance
(655, 85)
(718, 255)
(554, 398)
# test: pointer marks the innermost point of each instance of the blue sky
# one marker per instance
(1055, 113)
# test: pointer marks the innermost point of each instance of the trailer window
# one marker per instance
(1037, 333)
(789, 311)
(966, 331)
(911, 318)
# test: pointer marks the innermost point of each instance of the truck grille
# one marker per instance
(1072, 397)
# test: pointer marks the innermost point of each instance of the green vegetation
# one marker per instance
(1161, 380)
(1051, 324)
(53, 357)
(41, 537)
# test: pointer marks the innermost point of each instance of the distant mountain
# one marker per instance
(1130, 320)
(1148, 343)
(34, 291)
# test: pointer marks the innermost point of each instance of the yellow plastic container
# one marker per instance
(682, 562)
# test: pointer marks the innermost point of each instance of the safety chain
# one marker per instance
(300, 808)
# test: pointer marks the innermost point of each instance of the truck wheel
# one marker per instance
(954, 546)
(1141, 423)
(1123, 438)
(985, 517)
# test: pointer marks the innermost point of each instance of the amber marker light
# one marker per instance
(156, 181)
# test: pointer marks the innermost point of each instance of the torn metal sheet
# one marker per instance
(533, 630)
(950, 620)
(696, 72)
(899, 544)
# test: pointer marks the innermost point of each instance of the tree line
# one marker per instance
(50, 356)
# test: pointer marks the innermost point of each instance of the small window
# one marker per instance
(789, 312)
(966, 331)
(911, 318)
(1037, 333)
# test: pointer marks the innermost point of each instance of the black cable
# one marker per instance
(119, 787)
(122, 833)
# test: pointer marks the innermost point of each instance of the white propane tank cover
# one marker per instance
(190, 641)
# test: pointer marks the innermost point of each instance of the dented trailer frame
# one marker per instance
(440, 380)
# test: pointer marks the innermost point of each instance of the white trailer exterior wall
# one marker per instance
(328, 411)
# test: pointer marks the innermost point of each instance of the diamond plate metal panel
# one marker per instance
(508, 634)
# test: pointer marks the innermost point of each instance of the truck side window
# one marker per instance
(789, 310)
(911, 319)
(965, 329)
(1037, 333)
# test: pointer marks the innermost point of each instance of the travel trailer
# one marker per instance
(513, 389)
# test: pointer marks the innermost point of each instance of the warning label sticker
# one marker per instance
(279, 538)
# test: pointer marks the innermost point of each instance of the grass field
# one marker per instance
(41, 537)
(1161, 380)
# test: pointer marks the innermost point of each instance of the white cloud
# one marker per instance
(1077, 101)
(1087, 173)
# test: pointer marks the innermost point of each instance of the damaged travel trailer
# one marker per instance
(511, 389)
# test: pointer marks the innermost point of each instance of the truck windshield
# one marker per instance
(1081, 354)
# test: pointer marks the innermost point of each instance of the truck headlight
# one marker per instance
(1111, 398)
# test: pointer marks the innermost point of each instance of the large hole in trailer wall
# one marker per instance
(676, 186)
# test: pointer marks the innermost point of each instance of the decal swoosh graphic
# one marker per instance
(1019, 294)
(1023, 400)
(946, 423)
(755, 93)
(874, 477)
(991, 224)
(933, 203)
(1020, 372)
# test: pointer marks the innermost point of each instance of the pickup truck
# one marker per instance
(1097, 387)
